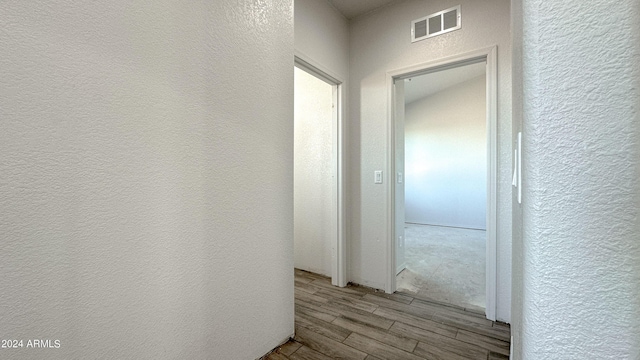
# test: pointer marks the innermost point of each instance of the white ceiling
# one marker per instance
(353, 8)
(424, 85)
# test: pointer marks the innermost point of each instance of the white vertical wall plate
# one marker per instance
(377, 177)
(436, 24)
(519, 167)
(514, 179)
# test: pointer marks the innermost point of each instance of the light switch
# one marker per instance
(399, 178)
(378, 177)
(519, 167)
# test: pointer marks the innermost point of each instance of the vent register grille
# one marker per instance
(436, 24)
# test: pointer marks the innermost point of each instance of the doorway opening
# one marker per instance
(445, 186)
(318, 240)
(443, 199)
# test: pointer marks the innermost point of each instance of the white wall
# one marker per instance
(322, 35)
(322, 38)
(517, 247)
(380, 42)
(146, 178)
(445, 157)
(314, 194)
(581, 196)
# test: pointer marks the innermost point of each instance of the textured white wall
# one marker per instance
(517, 259)
(380, 42)
(322, 34)
(581, 200)
(314, 194)
(146, 178)
(446, 157)
(322, 37)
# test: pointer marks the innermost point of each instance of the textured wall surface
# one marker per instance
(446, 157)
(581, 224)
(380, 42)
(322, 38)
(517, 246)
(146, 178)
(314, 191)
(322, 34)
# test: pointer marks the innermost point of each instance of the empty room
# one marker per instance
(445, 186)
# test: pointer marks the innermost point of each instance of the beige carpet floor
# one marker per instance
(445, 264)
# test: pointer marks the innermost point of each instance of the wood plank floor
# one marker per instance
(361, 323)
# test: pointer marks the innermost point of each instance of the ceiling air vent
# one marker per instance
(436, 24)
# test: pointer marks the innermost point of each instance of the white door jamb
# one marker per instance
(338, 249)
(490, 55)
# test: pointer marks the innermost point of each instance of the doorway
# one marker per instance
(445, 186)
(449, 174)
(318, 224)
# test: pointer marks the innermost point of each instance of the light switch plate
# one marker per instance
(377, 177)
(517, 167)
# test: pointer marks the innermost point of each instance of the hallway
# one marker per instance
(360, 323)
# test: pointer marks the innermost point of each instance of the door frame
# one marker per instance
(338, 248)
(490, 56)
